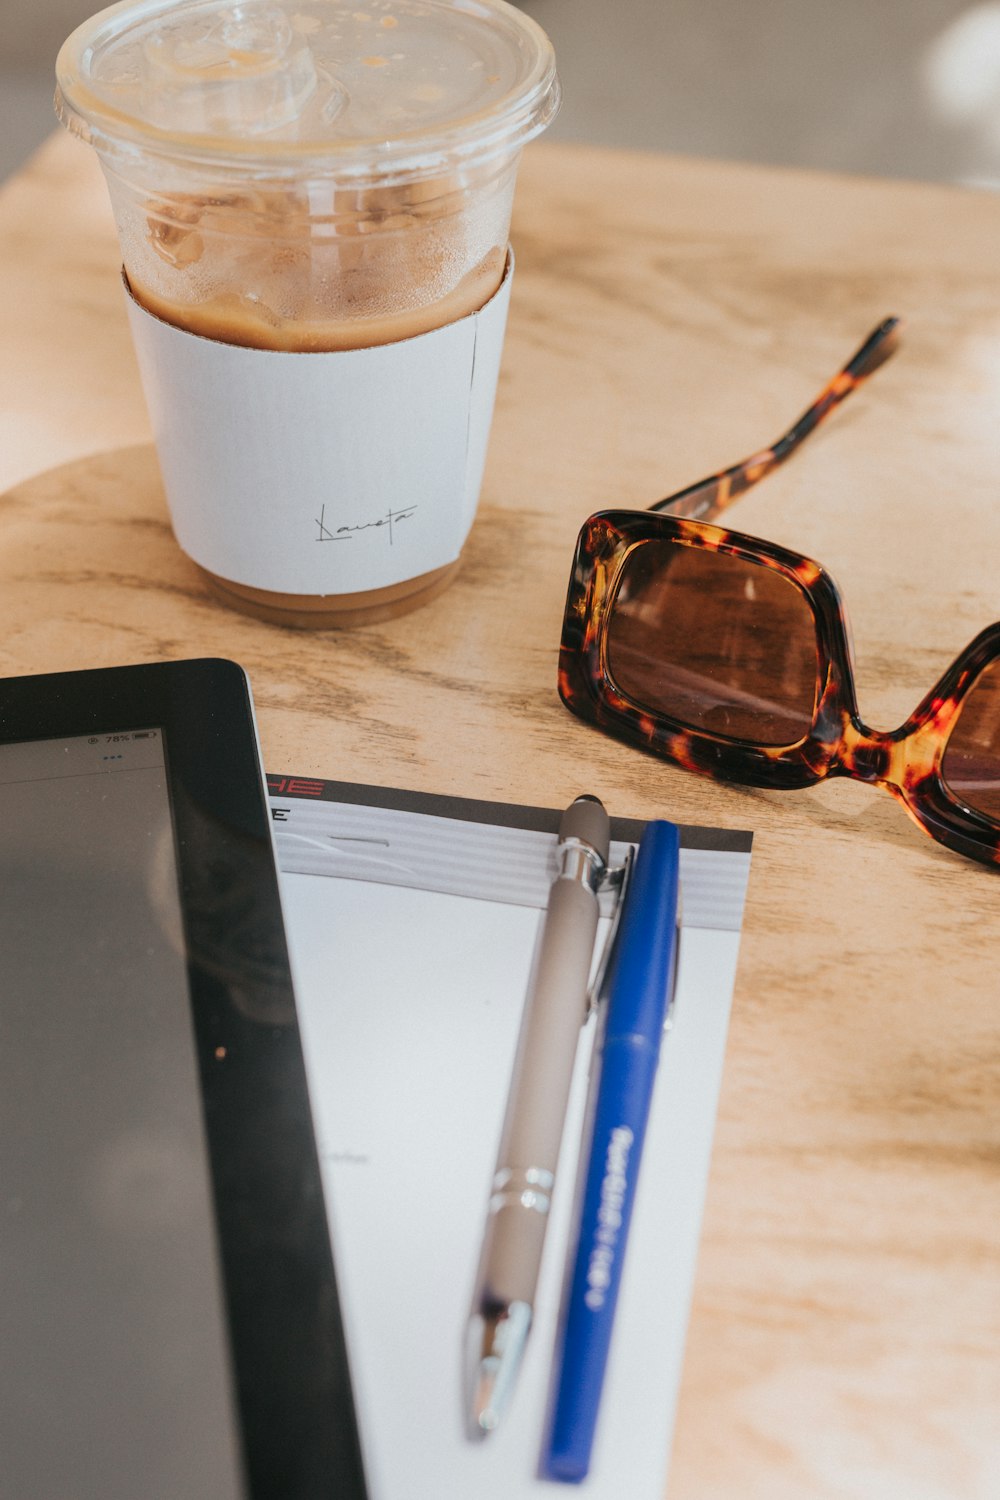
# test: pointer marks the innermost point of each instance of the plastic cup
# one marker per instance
(330, 180)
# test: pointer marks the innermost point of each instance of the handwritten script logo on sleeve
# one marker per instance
(386, 523)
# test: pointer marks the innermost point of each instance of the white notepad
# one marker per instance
(410, 995)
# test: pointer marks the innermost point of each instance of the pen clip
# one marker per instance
(616, 878)
(580, 861)
(668, 1019)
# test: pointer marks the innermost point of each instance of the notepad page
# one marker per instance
(410, 1002)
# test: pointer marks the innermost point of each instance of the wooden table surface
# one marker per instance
(668, 317)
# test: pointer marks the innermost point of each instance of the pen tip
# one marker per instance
(496, 1344)
(488, 1418)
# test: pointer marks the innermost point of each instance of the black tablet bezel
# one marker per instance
(296, 1412)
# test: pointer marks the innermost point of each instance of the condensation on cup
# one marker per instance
(313, 205)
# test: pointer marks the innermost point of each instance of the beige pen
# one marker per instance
(554, 1011)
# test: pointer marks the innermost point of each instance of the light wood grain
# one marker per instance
(667, 317)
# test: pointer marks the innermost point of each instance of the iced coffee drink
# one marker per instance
(313, 179)
(400, 263)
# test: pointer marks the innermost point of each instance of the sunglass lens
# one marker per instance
(971, 764)
(715, 642)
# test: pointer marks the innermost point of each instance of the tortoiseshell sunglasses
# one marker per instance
(731, 656)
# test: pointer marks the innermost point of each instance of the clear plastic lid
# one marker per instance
(387, 89)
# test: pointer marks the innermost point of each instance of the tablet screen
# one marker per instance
(122, 1384)
(170, 1324)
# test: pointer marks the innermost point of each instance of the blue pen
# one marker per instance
(639, 988)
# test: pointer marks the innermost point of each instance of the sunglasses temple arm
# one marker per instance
(706, 499)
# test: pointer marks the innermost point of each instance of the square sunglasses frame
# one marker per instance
(906, 761)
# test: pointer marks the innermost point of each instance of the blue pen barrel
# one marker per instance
(628, 1067)
(639, 989)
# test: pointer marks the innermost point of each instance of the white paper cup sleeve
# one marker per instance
(323, 473)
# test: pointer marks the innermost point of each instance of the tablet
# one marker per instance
(169, 1322)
